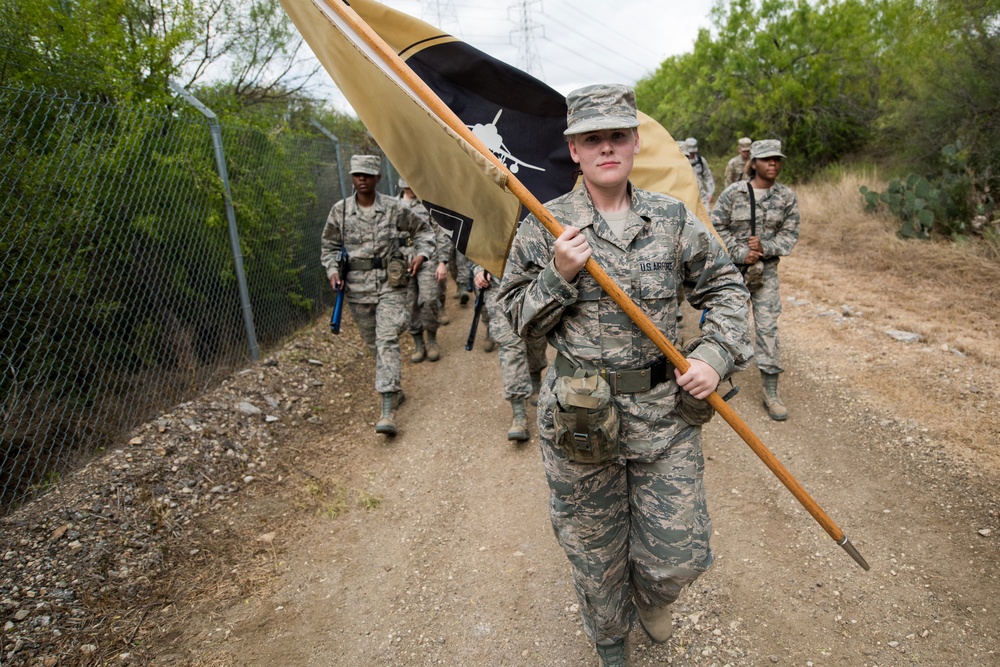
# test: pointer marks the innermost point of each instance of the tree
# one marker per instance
(788, 69)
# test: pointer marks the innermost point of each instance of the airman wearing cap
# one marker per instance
(706, 182)
(371, 229)
(598, 482)
(423, 293)
(758, 220)
(736, 166)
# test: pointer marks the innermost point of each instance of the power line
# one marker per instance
(524, 35)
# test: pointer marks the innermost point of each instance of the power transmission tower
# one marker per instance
(523, 37)
(440, 13)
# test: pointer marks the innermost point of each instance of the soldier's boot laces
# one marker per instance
(536, 385)
(656, 621)
(433, 353)
(387, 424)
(614, 653)
(772, 401)
(518, 430)
(418, 348)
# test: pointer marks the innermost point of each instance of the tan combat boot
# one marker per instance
(489, 344)
(418, 348)
(536, 385)
(656, 621)
(433, 354)
(518, 430)
(772, 401)
(387, 424)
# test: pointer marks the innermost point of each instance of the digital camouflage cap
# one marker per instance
(765, 148)
(401, 184)
(692, 144)
(366, 164)
(600, 107)
(744, 143)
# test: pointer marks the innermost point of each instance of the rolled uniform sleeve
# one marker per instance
(332, 241)
(728, 221)
(782, 210)
(713, 283)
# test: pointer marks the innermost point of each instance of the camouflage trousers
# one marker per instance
(766, 303)
(630, 528)
(423, 300)
(380, 325)
(518, 357)
(458, 268)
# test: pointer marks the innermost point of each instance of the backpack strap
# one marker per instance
(753, 210)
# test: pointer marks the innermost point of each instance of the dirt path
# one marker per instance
(454, 562)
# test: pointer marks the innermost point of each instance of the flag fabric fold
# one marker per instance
(518, 118)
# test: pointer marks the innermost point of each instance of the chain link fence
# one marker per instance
(119, 285)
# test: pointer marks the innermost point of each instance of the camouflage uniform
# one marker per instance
(518, 358)
(777, 222)
(637, 525)
(734, 169)
(379, 310)
(424, 291)
(706, 182)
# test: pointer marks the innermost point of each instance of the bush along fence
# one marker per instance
(145, 253)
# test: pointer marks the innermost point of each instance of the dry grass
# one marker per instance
(947, 292)
(958, 282)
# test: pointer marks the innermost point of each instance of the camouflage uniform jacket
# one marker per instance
(706, 182)
(734, 170)
(392, 224)
(777, 221)
(668, 245)
(441, 238)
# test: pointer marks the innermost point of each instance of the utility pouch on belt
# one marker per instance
(693, 410)
(586, 420)
(395, 268)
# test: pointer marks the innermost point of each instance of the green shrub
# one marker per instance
(944, 205)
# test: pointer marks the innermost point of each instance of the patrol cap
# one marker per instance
(692, 144)
(765, 148)
(402, 184)
(744, 143)
(602, 107)
(683, 145)
(366, 164)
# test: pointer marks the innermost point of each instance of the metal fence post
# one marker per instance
(234, 236)
(336, 143)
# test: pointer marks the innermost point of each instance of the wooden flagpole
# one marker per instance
(515, 187)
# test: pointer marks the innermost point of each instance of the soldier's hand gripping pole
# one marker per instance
(515, 187)
(476, 312)
(716, 401)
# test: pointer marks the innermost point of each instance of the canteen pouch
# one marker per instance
(396, 269)
(753, 274)
(692, 410)
(586, 420)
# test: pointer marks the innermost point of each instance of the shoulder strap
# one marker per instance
(753, 210)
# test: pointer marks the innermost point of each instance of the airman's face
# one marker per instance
(768, 167)
(365, 183)
(605, 156)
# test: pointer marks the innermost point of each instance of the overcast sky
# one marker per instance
(573, 42)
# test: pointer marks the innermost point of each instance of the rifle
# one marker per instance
(338, 305)
(477, 310)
